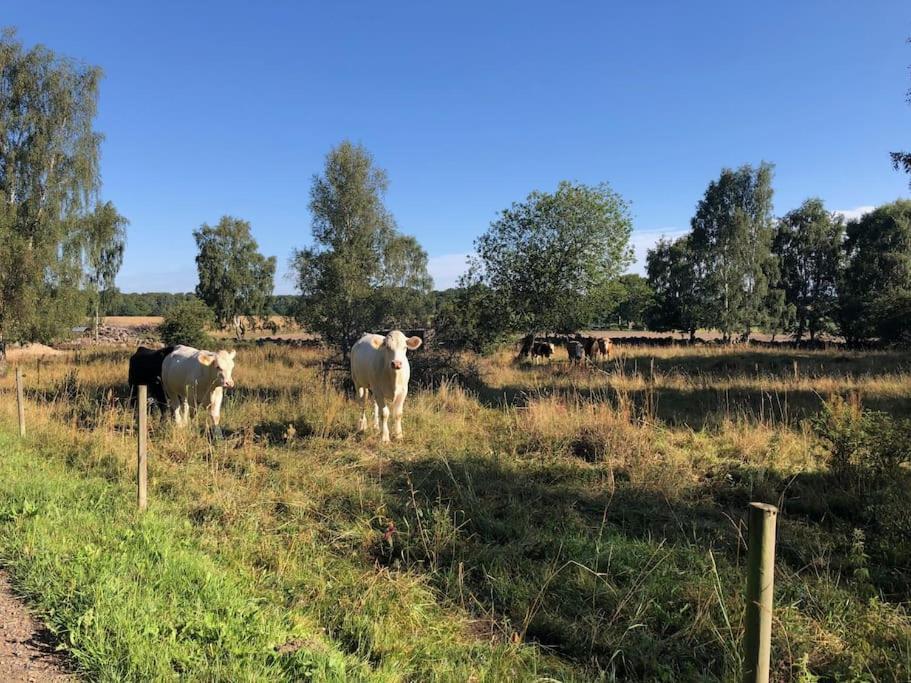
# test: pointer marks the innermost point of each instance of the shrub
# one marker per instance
(865, 449)
(186, 323)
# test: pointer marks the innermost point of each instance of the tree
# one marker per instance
(636, 298)
(104, 242)
(876, 285)
(808, 243)
(731, 239)
(185, 323)
(470, 316)
(48, 178)
(551, 258)
(234, 278)
(360, 272)
(677, 280)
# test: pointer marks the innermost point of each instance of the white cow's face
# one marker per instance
(222, 364)
(394, 347)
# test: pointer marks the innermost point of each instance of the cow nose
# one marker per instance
(229, 383)
(397, 365)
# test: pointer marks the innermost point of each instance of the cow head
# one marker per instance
(395, 345)
(221, 364)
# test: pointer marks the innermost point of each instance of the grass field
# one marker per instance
(539, 522)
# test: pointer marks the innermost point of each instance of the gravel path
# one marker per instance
(27, 652)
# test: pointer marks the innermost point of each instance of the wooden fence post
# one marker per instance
(20, 399)
(757, 646)
(142, 406)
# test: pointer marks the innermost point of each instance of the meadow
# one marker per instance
(538, 522)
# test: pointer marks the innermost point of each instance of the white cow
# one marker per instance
(191, 377)
(379, 365)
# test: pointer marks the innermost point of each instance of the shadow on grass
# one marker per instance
(617, 577)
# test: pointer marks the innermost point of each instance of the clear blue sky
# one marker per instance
(213, 108)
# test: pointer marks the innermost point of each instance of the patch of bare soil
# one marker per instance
(27, 649)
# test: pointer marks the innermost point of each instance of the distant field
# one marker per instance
(132, 320)
(538, 521)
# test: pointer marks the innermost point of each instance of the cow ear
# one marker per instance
(413, 342)
(377, 341)
(206, 358)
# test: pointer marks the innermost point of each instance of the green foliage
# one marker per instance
(636, 298)
(48, 175)
(731, 241)
(676, 281)
(866, 449)
(234, 278)
(808, 243)
(361, 274)
(104, 235)
(877, 280)
(186, 323)
(551, 259)
(469, 317)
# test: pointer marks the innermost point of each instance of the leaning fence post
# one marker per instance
(142, 406)
(20, 399)
(757, 646)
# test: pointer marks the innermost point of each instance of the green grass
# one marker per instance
(132, 597)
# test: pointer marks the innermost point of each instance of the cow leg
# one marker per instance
(385, 433)
(174, 404)
(364, 395)
(398, 406)
(215, 410)
(185, 410)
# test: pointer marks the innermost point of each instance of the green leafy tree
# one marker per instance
(732, 239)
(48, 178)
(104, 242)
(809, 245)
(470, 316)
(877, 280)
(360, 272)
(636, 298)
(551, 258)
(234, 278)
(186, 323)
(676, 280)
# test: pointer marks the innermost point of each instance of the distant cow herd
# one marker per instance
(579, 348)
(182, 380)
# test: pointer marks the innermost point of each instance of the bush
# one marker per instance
(865, 449)
(186, 323)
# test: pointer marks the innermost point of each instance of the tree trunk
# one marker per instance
(97, 306)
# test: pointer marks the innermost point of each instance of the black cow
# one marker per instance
(145, 368)
(576, 351)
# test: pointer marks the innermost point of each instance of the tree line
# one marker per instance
(553, 261)
(804, 274)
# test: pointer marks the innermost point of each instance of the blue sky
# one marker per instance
(212, 108)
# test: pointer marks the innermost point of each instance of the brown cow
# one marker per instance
(598, 347)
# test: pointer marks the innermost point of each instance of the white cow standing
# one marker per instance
(191, 377)
(379, 365)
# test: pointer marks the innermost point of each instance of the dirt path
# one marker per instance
(26, 648)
